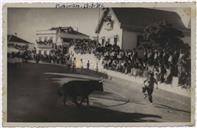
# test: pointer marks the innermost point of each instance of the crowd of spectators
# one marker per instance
(164, 63)
(45, 42)
(55, 56)
(85, 47)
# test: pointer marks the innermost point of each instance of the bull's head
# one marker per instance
(100, 81)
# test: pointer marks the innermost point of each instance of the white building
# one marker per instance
(124, 26)
(59, 36)
(42, 36)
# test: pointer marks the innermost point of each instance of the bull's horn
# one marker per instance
(100, 81)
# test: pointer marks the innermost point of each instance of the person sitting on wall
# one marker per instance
(81, 64)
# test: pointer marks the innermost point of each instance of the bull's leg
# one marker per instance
(82, 99)
(87, 98)
(75, 101)
(65, 98)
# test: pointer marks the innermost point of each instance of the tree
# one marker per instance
(163, 34)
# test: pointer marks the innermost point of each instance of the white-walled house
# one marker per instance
(125, 26)
(59, 36)
(43, 35)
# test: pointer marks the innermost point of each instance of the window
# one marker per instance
(108, 23)
(40, 38)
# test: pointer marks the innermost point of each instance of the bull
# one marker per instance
(79, 89)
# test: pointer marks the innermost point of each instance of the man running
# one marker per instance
(149, 87)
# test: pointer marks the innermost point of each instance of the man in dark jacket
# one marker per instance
(149, 86)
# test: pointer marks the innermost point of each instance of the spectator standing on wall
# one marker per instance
(69, 63)
(37, 58)
(74, 65)
(96, 68)
(81, 62)
(88, 65)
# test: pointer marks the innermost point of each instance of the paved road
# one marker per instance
(32, 97)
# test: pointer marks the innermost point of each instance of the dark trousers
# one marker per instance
(149, 90)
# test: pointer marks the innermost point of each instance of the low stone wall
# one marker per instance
(139, 80)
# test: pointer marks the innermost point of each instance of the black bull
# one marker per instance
(80, 89)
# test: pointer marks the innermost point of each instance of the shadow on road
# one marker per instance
(91, 114)
(32, 97)
(96, 114)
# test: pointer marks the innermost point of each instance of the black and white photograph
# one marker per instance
(96, 63)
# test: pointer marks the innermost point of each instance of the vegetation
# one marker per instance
(163, 34)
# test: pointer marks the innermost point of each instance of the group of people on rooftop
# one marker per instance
(45, 42)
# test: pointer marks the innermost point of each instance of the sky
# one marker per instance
(26, 21)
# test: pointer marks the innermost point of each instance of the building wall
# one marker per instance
(48, 34)
(129, 39)
(110, 34)
(13, 49)
(59, 41)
